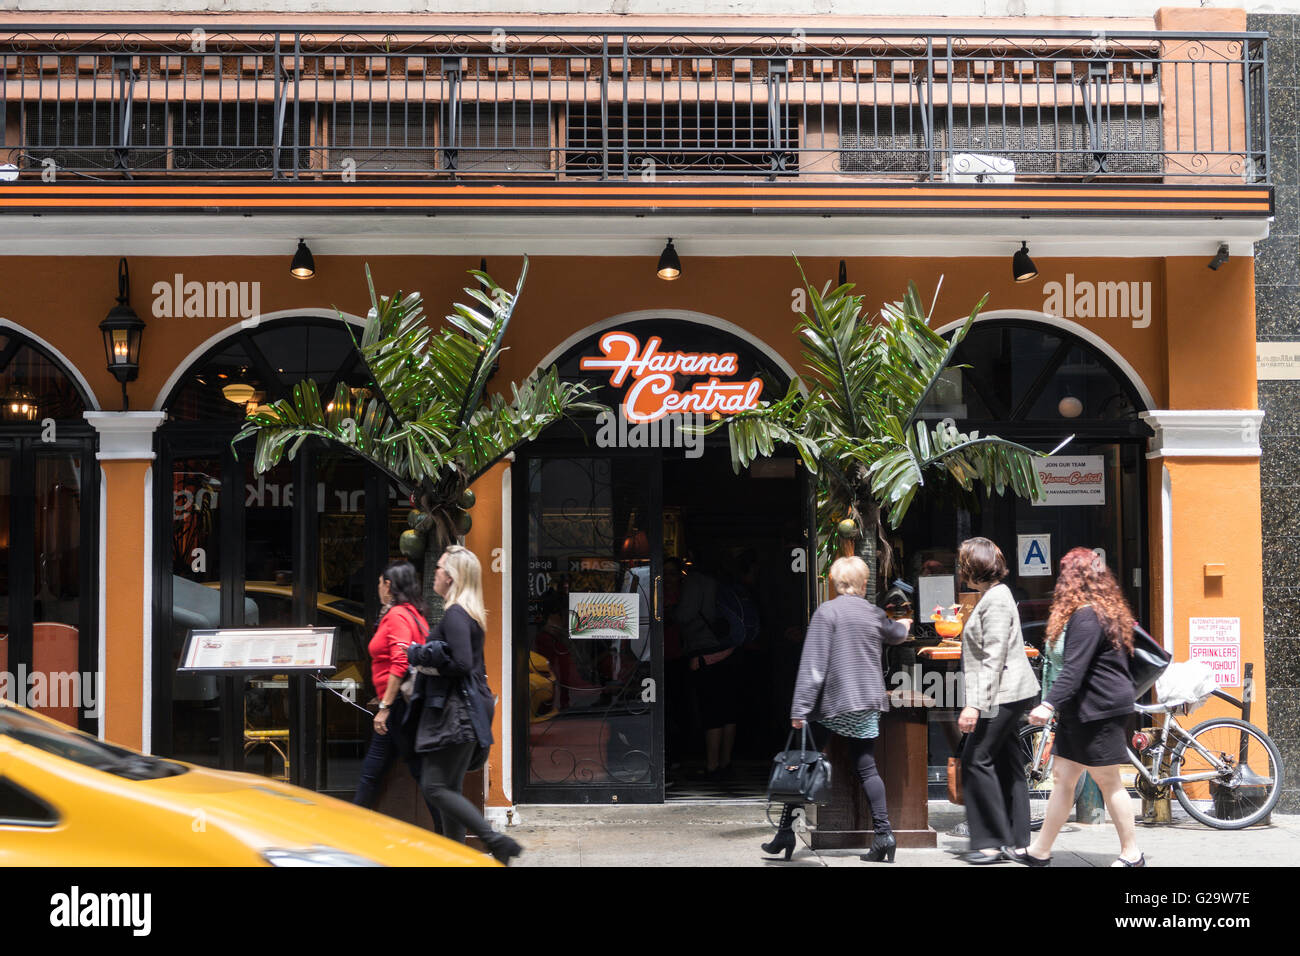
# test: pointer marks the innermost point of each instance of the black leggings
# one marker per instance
(863, 753)
(442, 774)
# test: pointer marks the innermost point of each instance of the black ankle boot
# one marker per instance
(504, 848)
(883, 847)
(783, 841)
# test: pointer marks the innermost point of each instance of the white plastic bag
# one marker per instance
(1186, 682)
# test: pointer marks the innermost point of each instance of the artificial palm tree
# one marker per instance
(855, 417)
(424, 419)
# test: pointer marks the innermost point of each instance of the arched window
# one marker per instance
(49, 528)
(1038, 384)
(301, 545)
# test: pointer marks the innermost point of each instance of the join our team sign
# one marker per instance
(1072, 480)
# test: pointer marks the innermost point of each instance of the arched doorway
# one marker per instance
(1035, 383)
(300, 545)
(621, 528)
(49, 534)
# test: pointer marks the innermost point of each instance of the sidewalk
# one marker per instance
(729, 834)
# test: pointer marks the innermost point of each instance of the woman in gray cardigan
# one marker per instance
(841, 685)
(1000, 686)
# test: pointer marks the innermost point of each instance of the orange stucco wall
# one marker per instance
(486, 539)
(123, 590)
(1194, 349)
(1216, 520)
(563, 295)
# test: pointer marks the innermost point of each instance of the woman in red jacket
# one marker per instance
(401, 623)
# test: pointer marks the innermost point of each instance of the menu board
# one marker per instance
(272, 650)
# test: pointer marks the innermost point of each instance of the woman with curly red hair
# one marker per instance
(1092, 699)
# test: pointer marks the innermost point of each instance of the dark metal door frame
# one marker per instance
(524, 792)
(23, 450)
(304, 700)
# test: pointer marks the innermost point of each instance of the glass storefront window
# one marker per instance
(48, 535)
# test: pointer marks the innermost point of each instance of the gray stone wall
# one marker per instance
(1277, 311)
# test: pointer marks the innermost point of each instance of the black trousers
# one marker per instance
(442, 774)
(993, 780)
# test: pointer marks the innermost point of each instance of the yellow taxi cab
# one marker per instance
(69, 799)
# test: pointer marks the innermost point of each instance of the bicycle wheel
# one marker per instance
(1247, 768)
(1034, 743)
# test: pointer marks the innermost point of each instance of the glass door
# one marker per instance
(589, 594)
(47, 572)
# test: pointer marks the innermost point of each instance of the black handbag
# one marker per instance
(1148, 662)
(800, 776)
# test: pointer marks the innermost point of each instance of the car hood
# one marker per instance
(267, 814)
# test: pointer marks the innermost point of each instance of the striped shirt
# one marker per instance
(841, 669)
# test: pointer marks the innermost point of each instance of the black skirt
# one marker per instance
(1093, 743)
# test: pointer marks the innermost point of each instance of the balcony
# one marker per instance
(254, 105)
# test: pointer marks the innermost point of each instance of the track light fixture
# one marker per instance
(303, 265)
(1022, 267)
(1219, 259)
(670, 267)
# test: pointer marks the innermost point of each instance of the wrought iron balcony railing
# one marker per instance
(146, 103)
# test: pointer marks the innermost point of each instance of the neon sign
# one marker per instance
(651, 394)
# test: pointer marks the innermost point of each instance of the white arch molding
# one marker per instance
(685, 315)
(62, 359)
(1075, 329)
(256, 322)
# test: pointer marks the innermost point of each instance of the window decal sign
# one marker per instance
(1072, 480)
(603, 616)
(1034, 555)
(650, 376)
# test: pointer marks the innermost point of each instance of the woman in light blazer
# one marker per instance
(1000, 687)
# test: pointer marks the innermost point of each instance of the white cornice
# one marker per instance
(125, 435)
(1204, 433)
(917, 236)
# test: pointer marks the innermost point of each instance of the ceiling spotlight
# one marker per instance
(844, 273)
(1219, 259)
(303, 265)
(1022, 267)
(670, 267)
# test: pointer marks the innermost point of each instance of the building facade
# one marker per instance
(1123, 155)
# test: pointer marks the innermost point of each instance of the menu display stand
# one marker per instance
(234, 653)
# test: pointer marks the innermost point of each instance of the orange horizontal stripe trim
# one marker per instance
(119, 202)
(758, 191)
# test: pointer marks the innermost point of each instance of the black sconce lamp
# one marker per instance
(670, 267)
(303, 265)
(1219, 259)
(1022, 267)
(123, 330)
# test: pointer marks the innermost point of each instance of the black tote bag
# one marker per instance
(802, 775)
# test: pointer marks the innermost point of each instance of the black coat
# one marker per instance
(1094, 681)
(455, 649)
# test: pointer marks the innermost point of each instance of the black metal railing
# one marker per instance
(145, 102)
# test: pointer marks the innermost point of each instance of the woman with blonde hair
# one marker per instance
(454, 703)
(841, 685)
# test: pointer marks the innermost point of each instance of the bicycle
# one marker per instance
(1225, 772)
(1036, 751)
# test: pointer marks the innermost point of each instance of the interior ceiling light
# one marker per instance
(670, 267)
(1022, 267)
(238, 392)
(303, 265)
(1070, 407)
(1219, 259)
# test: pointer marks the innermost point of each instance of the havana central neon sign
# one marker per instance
(651, 394)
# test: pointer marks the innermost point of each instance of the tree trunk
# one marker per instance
(432, 552)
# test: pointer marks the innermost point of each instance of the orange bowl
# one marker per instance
(947, 628)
